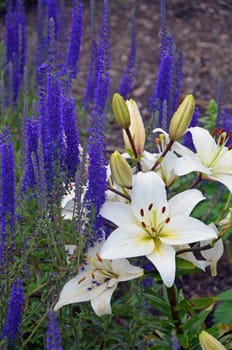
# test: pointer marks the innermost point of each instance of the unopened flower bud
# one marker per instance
(181, 118)
(120, 170)
(136, 128)
(121, 111)
(208, 342)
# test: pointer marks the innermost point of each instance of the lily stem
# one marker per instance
(159, 160)
(134, 149)
(175, 314)
(196, 182)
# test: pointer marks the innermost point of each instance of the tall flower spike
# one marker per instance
(32, 134)
(71, 141)
(97, 183)
(129, 74)
(91, 78)
(75, 38)
(13, 320)
(7, 173)
(53, 332)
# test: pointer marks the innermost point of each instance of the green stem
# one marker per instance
(159, 160)
(133, 148)
(119, 193)
(196, 182)
(175, 314)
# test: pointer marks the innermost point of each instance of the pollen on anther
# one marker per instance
(99, 258)
(163, 210)
(141, 212)
(81, 280)
(214, 132)
(167, 220)
(143, 224)
(150, 206)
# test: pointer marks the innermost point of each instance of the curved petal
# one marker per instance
(184, 202)
(163, 257)
(186, 165)
(204, 143)
(101, 304)
(78, 290)
(225, 179)
(125, 270)
(119, 213)
(184, 230)
(148, 189)
(127, 243)
(224, 161)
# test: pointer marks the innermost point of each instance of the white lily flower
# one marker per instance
(212, 255)
(212, 159)
(151, 225)
(136, 128)
(189, 256)
(97, 280)
(68, 204)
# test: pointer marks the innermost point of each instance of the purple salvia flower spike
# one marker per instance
(71, 137)
(53, 333)
(7, 172)
(75, 38)
(97, 163)
(32, 134)
(129, 74)
(91, 78)
(13, 320)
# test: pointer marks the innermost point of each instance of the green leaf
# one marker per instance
(223, 313)
(224, 296)
(202, 303)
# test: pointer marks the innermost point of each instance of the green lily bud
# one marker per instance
(181, 118)
(208, 342)
(120, 170)
(121, 111)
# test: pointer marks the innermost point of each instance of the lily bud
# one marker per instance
(181, 118)
(121, 111)
(120, 170)
(208, 342)
(136, 128)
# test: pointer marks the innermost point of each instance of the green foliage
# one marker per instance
(208, 120)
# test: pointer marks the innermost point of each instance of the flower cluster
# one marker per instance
(149, 221)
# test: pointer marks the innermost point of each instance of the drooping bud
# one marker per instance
(120, 170)
(136, 128)
(208, 342)
(181, 118)
(121, 111)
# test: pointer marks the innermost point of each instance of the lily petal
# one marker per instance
(118, 213)
(225, 179)
(101, 304)
(186, 165)
(127, 242)
(204, 143)
(148, 189)
(125, 270)
(184, 202)
(163, 257)
(184, 230)
(78, 290)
